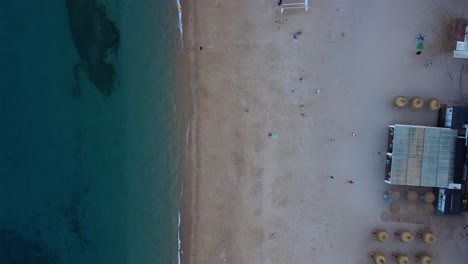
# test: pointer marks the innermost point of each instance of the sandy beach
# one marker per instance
(257, 198)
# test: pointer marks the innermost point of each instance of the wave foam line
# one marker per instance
(181, 30)
(179, 242)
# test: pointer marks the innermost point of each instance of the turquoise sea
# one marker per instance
(91, 139)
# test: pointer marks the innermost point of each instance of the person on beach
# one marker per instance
(350, 182)
(280, 2)
(420, 45)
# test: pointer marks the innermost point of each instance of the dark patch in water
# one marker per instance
(97, 41)
(15, 249)
(74, 214)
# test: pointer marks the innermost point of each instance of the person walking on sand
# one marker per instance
(350, 182)
(420, 45)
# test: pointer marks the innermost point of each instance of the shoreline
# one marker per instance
(187, 202)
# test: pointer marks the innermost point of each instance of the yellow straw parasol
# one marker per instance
(412, 196)
(394, 208)
(379, 258)
(400, 101)
(402, 259)
(405, 236)
(412, 208)
(428, 237)
(416, 103)
(434, 104)
(380, 234)
(395, 195)
(428, 208)
(424, 258)
(429, 197)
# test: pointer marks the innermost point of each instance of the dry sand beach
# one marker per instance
(258, 199)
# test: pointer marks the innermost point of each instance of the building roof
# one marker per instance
(422, 156)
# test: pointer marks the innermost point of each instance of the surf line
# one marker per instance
(179, 242)
(181, 30)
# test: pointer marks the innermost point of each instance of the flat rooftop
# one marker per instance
(421, 156)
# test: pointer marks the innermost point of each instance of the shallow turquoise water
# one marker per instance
(88, 176)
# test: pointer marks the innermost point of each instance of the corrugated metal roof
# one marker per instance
(423, 156)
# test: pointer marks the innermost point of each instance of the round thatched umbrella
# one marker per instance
(412, 208)
(429, 197)
(380, 234)
(403, 259)
(424, 258)
(395, 195)
(412, 196)
(417, 103)
(400, 101)
(394, 208)
(434, 104)
(404, 235)
(379, 258)
(429, 208)
(428, 237)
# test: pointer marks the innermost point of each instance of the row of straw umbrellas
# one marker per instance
(412, 208)
(380, 258)
(412, 197)
(416, 103)
(406, 236)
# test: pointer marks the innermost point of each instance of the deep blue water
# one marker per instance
(89, 132)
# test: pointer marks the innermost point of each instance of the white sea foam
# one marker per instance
(179, 242)
(181, 30)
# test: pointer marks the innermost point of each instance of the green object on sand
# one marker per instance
(274, 135)
(420, 46)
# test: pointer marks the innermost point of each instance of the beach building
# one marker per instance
(460, 36)
(421, 156)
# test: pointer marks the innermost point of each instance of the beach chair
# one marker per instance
(304, 5)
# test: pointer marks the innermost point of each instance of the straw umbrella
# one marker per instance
(412, 196)
(379, 258)
(429, 197)
(404, 235)
(394, 208)
(403, 259)
(417, 103)
(400, 101)
(424, 258)
(429, 208)
(434, 104)
(412, 208)
(380, 234)
(427, 236)
(395, 195)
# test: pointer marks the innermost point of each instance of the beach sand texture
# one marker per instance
(260, 199)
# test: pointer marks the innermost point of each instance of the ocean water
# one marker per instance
(91, 139)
